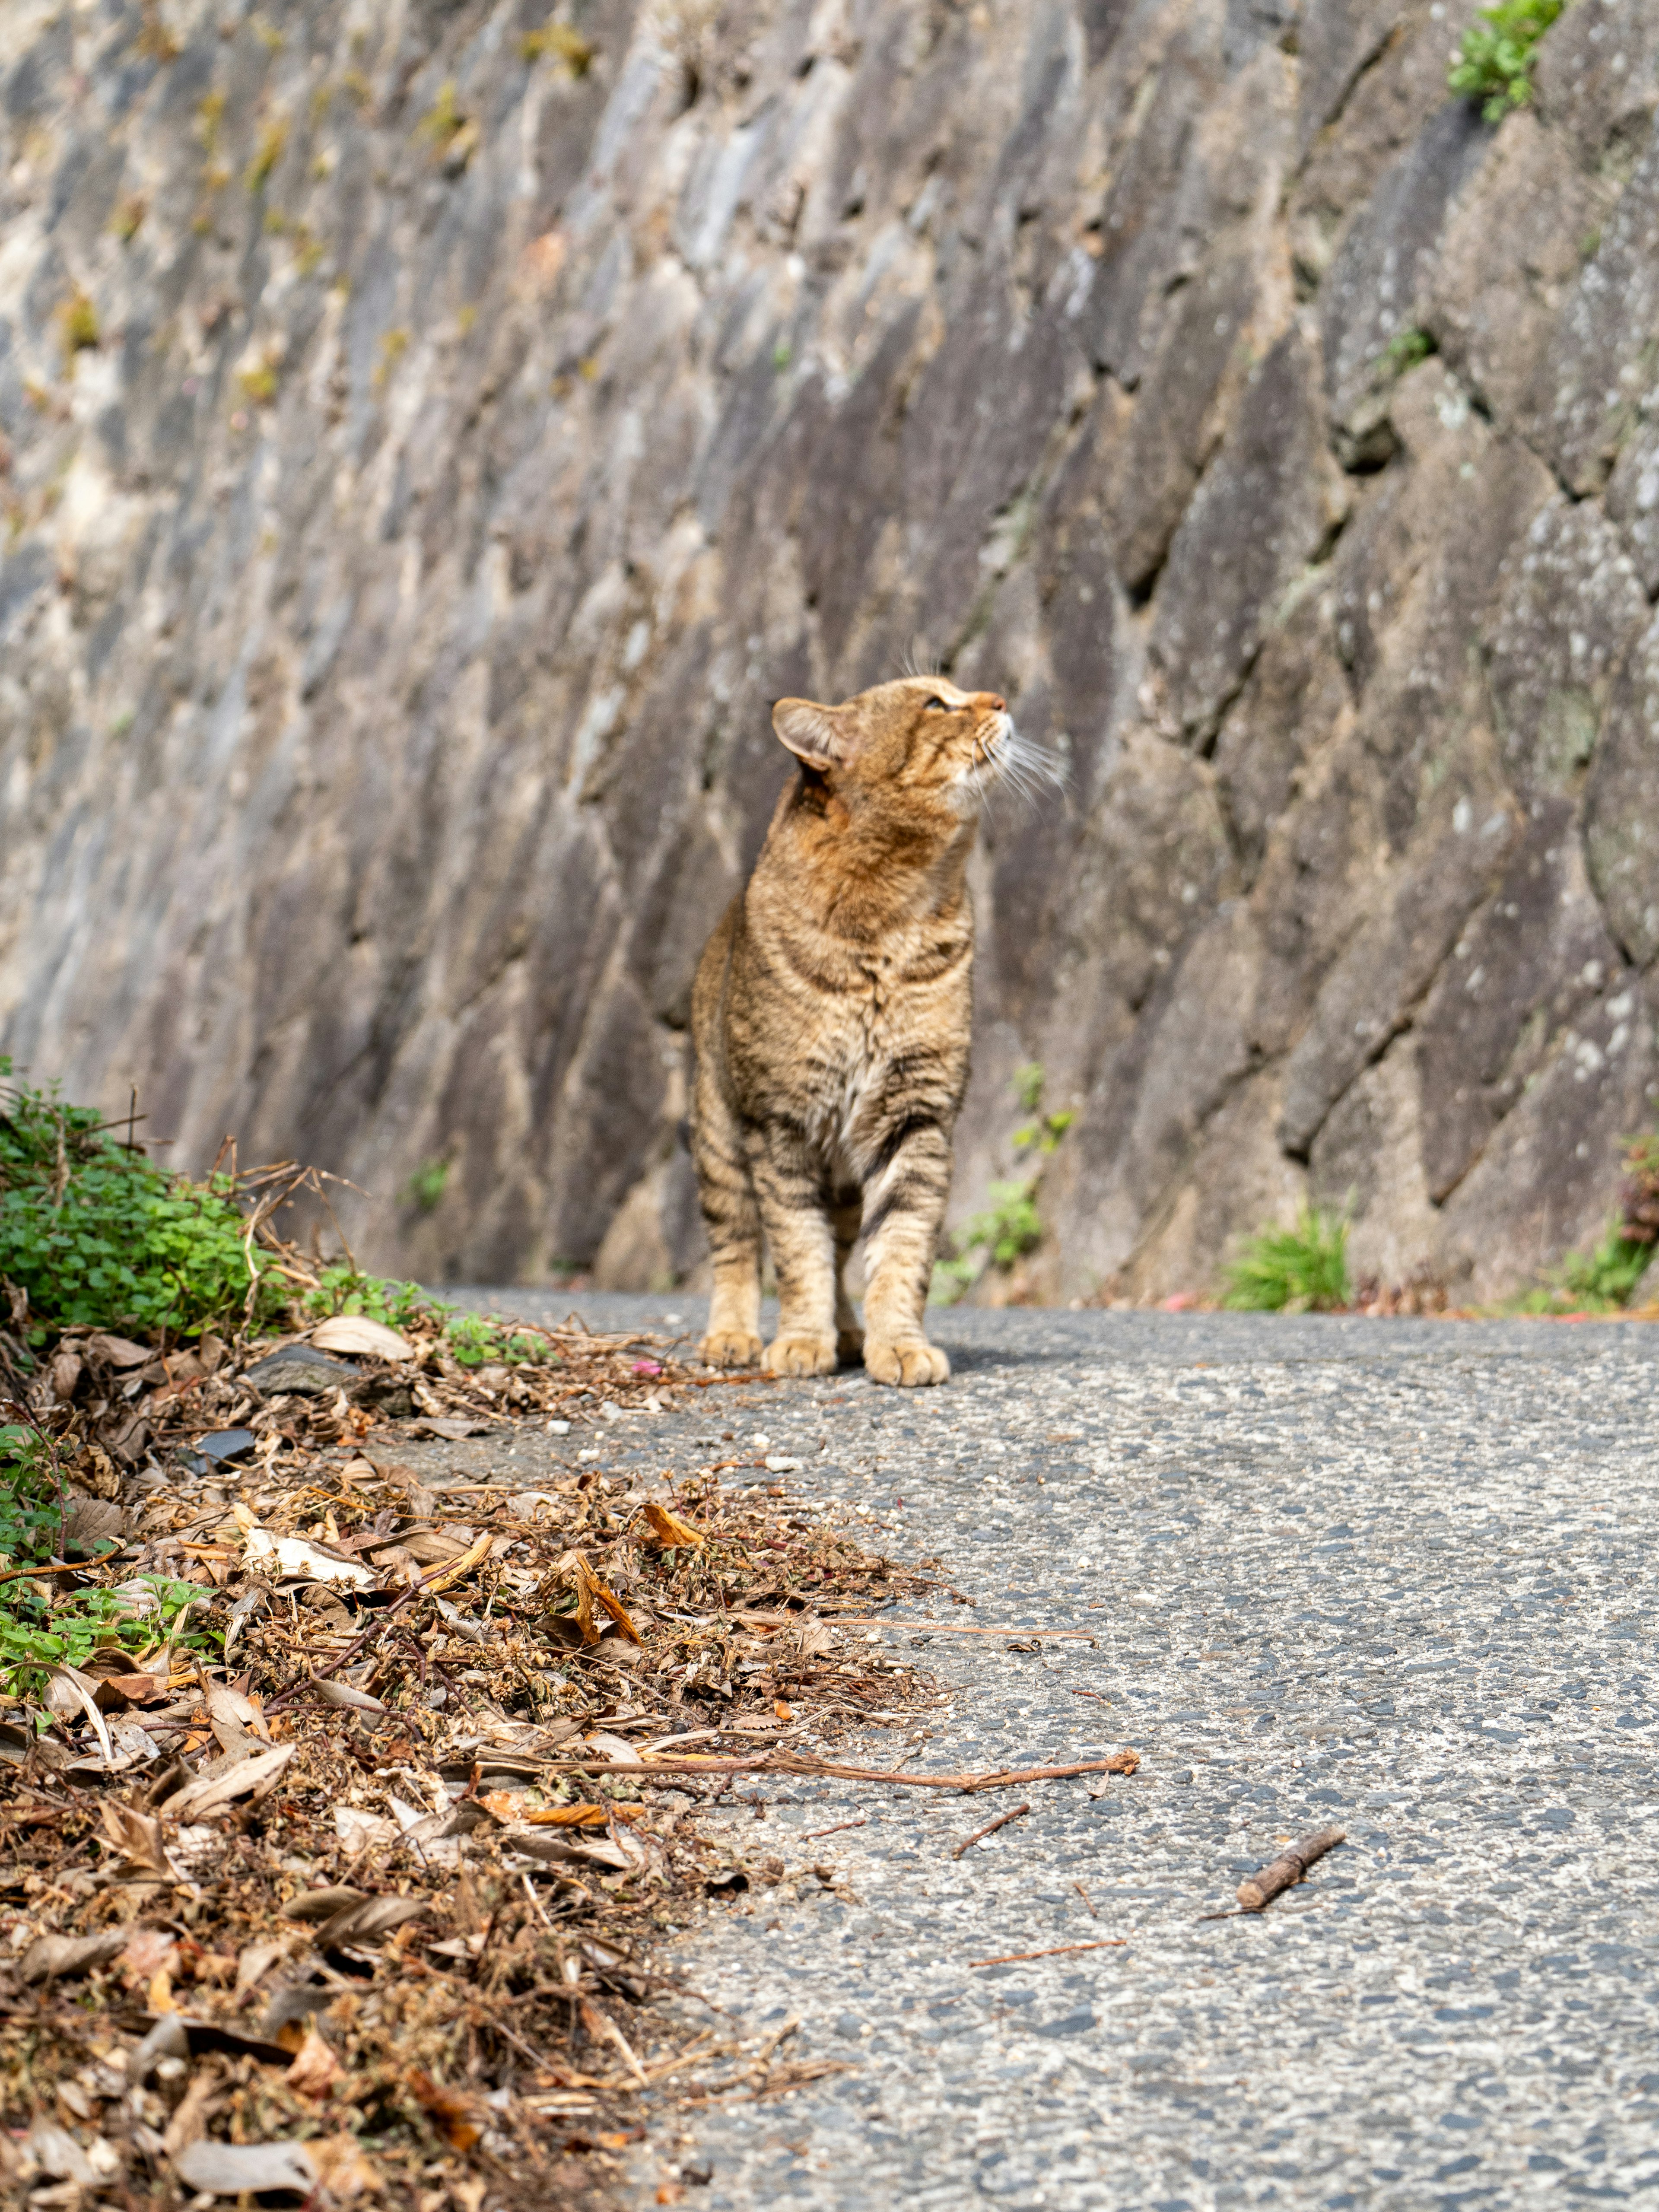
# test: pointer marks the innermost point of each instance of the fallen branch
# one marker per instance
(812, 1834)
(1122, 1762)
(950, 1628)
(1286, 1871)
(1013, 1957)
(989, 1829)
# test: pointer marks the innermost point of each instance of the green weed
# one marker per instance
(426, 1187)
(78, 319)
(559, 42)
(1299, 1270)
(101, 1237)
(1404, 349)
(1009, 1226)
(347, 1291)
(1494, 65)
(38, 1630)
(474, 1341)
(272, 139)
(1600, 1280)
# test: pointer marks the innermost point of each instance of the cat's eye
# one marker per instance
(927, 706)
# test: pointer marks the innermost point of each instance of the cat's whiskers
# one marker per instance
(1023, 766)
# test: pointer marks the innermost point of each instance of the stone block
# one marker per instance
(1384, 268)
(1262, 511)
(1412, 922)
(1600, 355)
(1621, 805)
(1514, 245)
(1525, 967)
(1569, 607)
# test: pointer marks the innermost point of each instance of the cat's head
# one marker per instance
(921, 742)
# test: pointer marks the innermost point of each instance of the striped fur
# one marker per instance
(831, 1016)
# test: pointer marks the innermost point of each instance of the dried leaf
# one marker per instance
(443, 1578)
(321, 1903)
(117, 1351)
(70, 1690)
(255, 1777)
(344, 1698)
(138, 1838)
(62, 1958)
(256, 1961)
(669, 1529)
(116, 1692)
(56, 2152)
(297, 1558)
(342, 2169)
(374, 1917)
(589, 1587)
(452, 2113)
(222, 2169)
(315, 2069)
(508, 1809)
(224, 1704)
(356, 1334)
(358, 1830)
(148, 1951)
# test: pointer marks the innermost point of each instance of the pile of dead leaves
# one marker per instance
(338, 1890)
(110, 1404)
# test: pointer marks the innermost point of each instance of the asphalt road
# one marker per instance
(1398, 1575)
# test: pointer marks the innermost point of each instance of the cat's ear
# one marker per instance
(820, 736)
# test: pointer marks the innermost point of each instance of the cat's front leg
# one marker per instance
(904, 1205)
(790, 1183)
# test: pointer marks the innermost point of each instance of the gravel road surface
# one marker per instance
(1397, 1575)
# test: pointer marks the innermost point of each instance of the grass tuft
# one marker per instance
(1495, 61)
(1299, 1270)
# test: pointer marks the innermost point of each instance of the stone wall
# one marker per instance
(434, 434)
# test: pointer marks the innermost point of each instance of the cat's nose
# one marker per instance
(999, 704)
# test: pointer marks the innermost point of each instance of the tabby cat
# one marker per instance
(831, 1014)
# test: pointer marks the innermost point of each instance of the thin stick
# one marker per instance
(812, 1834)
(1123, 1762)
(1013, 1957)
(1087, 1900)
(989, 1829)
(950, 1628)
(1287, 1869)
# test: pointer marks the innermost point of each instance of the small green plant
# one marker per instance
(272, 139)
(1010, 1225)
(346, 1290)
(1495, 62)
(1044, 1132)
(78, 319)
(426, 1187)
(448, 129)
(394, 344)
(1008, 1228)
(130, 211)
(1605, 1277)
(1404, 349)
(259, 382)
(475, 1342)
(31, 1518)
(210, 119)
(38, 1631)
(1299, 1270)
(99, 1236)
(558, 42)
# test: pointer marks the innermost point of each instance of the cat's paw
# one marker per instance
(849, 1346)
(731, 1347)
(909, 1365)
(801, 1352)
